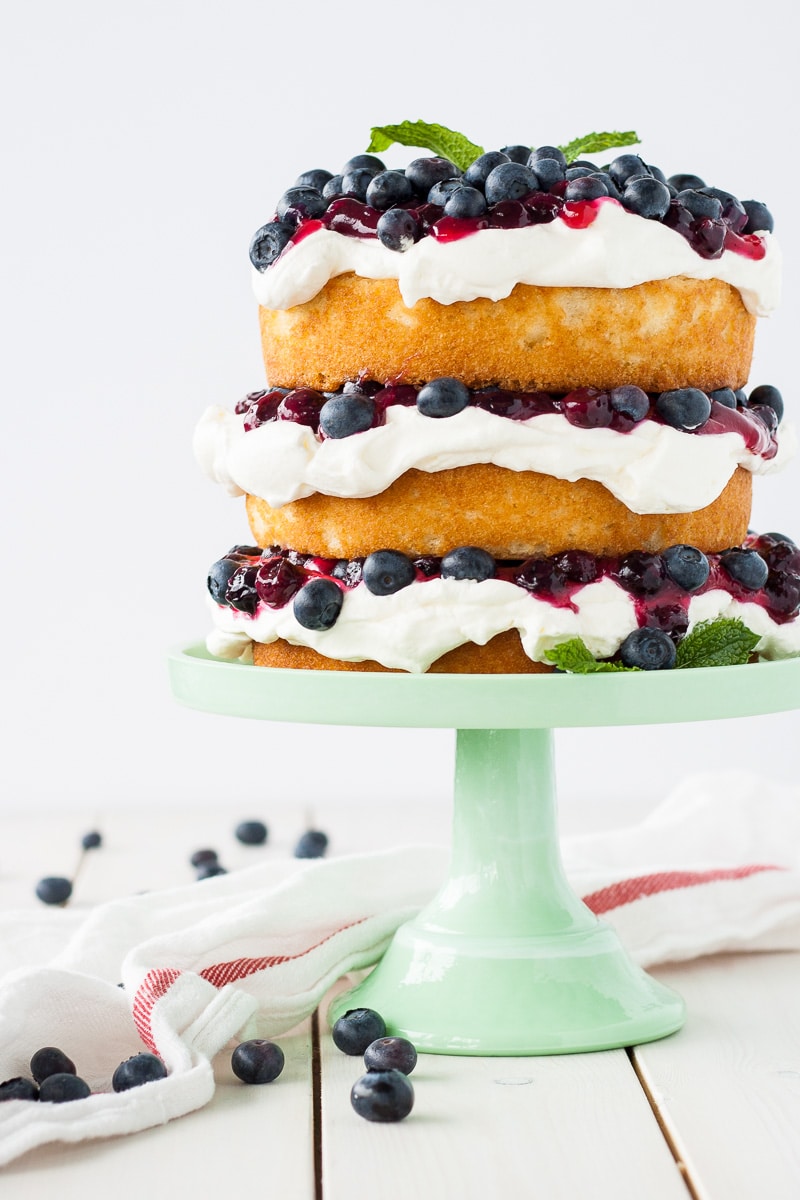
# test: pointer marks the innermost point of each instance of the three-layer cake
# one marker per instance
(506, 409)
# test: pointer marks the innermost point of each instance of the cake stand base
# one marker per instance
(506, 960)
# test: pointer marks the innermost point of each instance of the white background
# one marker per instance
(143, 145)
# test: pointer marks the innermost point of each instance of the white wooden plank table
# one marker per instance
(711, 1113)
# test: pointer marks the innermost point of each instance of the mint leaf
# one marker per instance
(593, 143)
(721, 643)
(574, 656)
(436, 138)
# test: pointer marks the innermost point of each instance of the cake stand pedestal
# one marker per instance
(506, 959)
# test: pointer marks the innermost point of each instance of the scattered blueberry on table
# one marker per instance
(251, 833)
(51, 1061)
(137, 1070)
(391, 1053)
(63, 1087)
(54, 889)
(312, 844)
(91, 840)
(357, 1029)
(383, 1096)
(257, 1061)
(203, 856)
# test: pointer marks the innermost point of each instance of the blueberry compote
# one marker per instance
(620, 409)
(660, 585)
(428, 200)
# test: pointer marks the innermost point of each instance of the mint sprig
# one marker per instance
(593, 143)
(726, 642)
(575, 657)
(436, 138)
(461, 151)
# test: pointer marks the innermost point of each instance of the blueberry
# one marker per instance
(687, 566)
(441, 192)
(647, 197)
(443, 397)
(257, 1061)
(510, 181)
(389, 188)
(425, 172)
(382, 1096)
(766, 415)
(765, 393)
(18, 1089)
(398, 229)
(333, 188)
(201, 857)
(139, 1069)
(251, 833)
(699, 204)
(353, 1032)
(241, 591)
(267, 243)
(91, 840)
(648, 649)
(349, 570)
(358, 161)
(610, 186)
(745, 567)
(318, 604)
(346, 414)
(547, 152)
(356, 182)
(387, 571)
(549, 171)
(759, 218)
(316, 179)
(477, 172)
(725, 396)
(54, 889)
(312, 844)
(218, 577)
(640, 573)
(585, 187)
(60, 1088)
(300, 202)
(630, 401)
(517, 154)
(741, 397)
(684, 408)
(576, 172)
(468, 562)
(209, 870)
(682, 183)
(583, 164)
(657, 173)
(51, 1061)
(465, 202)
(732, 211)
(390, 1054)
(625, 167)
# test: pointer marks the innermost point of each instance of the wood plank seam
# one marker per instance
(316, 1103)
(665, 1133)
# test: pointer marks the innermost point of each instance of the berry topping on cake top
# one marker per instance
(462, 190)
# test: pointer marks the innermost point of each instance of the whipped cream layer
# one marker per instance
(410, 629)
(652, 469)
(617, 250)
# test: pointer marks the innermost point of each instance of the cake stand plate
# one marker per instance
(506, 959)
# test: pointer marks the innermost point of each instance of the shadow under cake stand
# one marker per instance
(506, 959)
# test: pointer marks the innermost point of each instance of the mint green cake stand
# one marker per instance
(505, 960)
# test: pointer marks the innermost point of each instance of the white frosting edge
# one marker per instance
(652, 469)
(413, 627)
(618, 250)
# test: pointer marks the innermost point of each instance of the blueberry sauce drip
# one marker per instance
(274, 576)
(433, 198)
(621, 409)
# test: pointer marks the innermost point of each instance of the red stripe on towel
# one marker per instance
(157, 982)
(628, 890)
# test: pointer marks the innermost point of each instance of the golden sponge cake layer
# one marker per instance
(665, 334)
(512, 514)
(503, 655)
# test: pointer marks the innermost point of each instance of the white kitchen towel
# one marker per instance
(249, 954)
